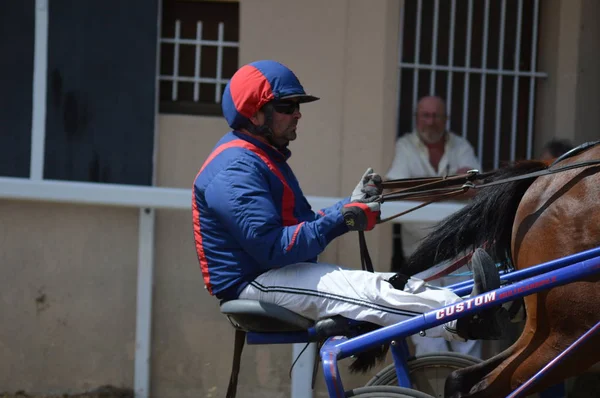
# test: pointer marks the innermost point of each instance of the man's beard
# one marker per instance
(292, 135)
(282, 141)
(432, 137)
(290, 132)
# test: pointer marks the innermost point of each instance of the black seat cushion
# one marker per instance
(258, 316)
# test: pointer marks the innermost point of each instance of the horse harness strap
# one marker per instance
(432, 188)
(365, 258)
(540, 173)
(436, 189)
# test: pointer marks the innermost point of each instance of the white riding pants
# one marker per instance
(423, 346)
(318, 290)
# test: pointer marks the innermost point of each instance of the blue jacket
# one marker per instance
(250, 215)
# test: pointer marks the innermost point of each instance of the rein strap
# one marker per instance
(436, 189)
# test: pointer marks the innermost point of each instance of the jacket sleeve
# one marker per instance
(241, 199)
(336, 208)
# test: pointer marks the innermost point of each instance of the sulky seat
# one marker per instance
(253, 316)
(258, 316)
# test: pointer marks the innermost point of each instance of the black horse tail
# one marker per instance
(487, 219)
(366, 360)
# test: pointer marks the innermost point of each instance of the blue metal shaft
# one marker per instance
(400, 355)
(464, 288)
(451, 312)
(554, 363)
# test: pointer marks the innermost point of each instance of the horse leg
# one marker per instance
(459, 383)
(493, 377)
(555, 320)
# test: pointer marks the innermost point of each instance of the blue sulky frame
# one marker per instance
(521, 283)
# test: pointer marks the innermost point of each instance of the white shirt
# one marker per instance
(412, 161)
(412, 157)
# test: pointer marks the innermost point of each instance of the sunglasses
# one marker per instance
(286, 107)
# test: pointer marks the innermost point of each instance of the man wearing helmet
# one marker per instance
(257, 237)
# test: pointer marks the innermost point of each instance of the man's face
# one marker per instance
(286, 114)
(431, 120)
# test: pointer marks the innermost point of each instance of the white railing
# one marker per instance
(483, 71)
(173, 198)
(177, 41)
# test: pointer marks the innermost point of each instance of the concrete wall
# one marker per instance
(568, 101)
(67, 296)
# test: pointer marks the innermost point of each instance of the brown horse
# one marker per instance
(530, 221)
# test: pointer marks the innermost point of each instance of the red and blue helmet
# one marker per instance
(254, 85)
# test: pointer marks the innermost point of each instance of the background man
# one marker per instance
(431, 151)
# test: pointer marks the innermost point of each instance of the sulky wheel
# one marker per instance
(385, 392)
(428, 373)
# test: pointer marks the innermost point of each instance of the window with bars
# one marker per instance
(480, 55)
(198, 55)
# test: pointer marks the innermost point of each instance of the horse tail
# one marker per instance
(364, 361)
(487, 219)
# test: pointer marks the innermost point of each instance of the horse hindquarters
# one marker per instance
(557, 216)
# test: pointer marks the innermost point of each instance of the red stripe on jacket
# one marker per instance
(293, 241)
(287, 205)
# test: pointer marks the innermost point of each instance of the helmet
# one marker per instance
(256, 84)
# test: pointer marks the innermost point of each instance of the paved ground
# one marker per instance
(101, 392)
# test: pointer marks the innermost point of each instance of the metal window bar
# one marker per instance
(482, 91)
(417, 52)
(536, 12)
(219, 62)
(451, 58)
(434, 48)
(176, 59)
(515, 101)
(197, 61)
(499, 88)
(198, 43)
(467, 74)
(484, 71)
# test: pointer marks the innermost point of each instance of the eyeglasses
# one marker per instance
(286, 107)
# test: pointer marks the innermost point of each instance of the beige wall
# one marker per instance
(568, 101)
(67, 296)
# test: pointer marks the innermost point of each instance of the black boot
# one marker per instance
(398, 281)
(489, 324)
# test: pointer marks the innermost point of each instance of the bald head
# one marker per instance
(431, 119)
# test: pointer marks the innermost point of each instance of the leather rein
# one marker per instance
(436, 189)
